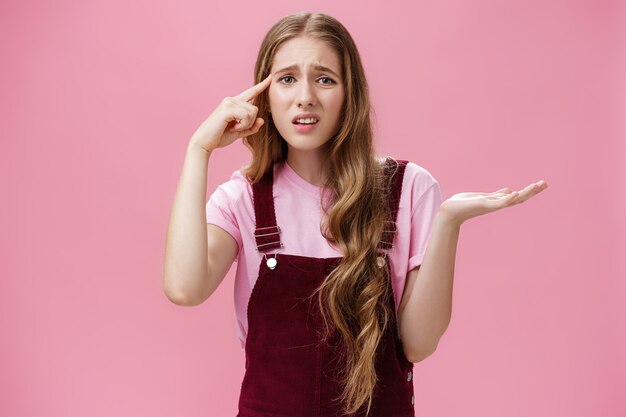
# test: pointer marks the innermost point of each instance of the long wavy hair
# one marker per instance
(355, 295)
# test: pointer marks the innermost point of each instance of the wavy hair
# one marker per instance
(355, 294)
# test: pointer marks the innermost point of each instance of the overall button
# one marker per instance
(409, 376)
(271, 263)
(412, 399)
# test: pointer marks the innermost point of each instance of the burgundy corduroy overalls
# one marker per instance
(289, 373)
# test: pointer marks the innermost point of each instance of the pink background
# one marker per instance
(100, 98)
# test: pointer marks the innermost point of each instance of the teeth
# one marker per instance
(306, 121)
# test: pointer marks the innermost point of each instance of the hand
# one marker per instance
(463, 206)
(235, 117)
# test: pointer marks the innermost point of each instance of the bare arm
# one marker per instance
(197, 255)
(426, 305)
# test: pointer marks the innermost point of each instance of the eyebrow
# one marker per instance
(317, 67)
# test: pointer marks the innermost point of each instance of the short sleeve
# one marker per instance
(423, 215)
(220, 210)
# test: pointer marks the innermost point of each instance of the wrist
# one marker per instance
(447, 219)
(195, 148)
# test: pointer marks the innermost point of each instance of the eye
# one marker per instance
(329, 79)
(286, 76)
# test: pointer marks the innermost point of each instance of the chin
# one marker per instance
(303, 145)
(303, 142)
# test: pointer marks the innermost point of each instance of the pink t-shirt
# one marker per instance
(230, 207)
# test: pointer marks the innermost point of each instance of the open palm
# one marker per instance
(463, 206)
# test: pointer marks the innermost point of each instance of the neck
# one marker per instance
(308, 165)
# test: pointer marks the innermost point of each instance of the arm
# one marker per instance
(197, 255)
(426, 305)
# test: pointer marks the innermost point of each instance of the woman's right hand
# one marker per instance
(235, 117)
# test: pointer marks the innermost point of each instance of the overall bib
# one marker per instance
(289, 372)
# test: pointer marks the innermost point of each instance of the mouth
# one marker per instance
(305, 124)
(305, 127)
(306, 119)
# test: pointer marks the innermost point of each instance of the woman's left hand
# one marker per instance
(463, 206)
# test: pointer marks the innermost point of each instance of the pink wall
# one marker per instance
(99, 100)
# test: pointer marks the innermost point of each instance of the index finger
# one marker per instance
(254, 91)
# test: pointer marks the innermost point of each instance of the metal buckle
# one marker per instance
(266, 244)
(258, 235)
(267, 234)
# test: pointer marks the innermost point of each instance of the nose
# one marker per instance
(306, 95)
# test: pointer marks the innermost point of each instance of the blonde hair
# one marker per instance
(355, 295)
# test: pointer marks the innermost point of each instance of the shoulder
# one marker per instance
(415, 175)
(421, 189)
(237, 188)
(418, 175)
(418, 186)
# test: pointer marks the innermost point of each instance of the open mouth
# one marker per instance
(305, 126)
(305, 123)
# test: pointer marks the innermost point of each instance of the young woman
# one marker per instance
(329, 239)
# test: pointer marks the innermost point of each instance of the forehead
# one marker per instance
(305, 52)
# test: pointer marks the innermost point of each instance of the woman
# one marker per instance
(316, 216)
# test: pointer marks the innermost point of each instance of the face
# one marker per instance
(306, 78)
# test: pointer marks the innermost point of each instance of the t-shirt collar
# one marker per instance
(299, 181)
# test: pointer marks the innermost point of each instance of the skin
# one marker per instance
(304, 89)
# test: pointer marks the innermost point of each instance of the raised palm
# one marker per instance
(463, 206)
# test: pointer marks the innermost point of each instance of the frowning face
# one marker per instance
(307, 93)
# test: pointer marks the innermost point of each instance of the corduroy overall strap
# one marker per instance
(394, 174)
(267, 232)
